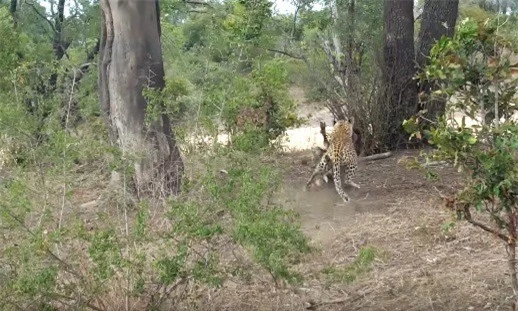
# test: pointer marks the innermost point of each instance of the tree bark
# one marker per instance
(438, 19)
(351, 25)
(511, 255)
(131, 59)
(13, 6)
(294, 26)
(399, 94)
(59, 43)
(511, 263)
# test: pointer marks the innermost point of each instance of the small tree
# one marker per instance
(472, 70)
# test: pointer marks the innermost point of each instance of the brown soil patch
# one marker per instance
(398, 212)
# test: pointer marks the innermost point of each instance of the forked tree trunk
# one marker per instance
(131, 59)
(399, 96)
(438, 19)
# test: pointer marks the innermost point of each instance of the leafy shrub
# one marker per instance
(267, 229)
(255, 107)
(55, 252)
(71, 233)
(251, 140)
(472, 71)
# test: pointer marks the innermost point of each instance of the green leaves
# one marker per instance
(171, 100)
(34, 282)
(270, 232)
(472, 71)
(104, 251)
(11, 43)
(171, 267)
(471, 140)
(247, 18)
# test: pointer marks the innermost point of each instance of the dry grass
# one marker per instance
(425, 270)
(423, 266)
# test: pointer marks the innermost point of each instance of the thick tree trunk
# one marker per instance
(131, 59)
(399, 96)
(13, 7)
(438, 19)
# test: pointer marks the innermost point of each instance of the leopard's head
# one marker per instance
(345, 124)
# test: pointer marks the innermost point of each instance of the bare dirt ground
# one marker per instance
(397, 212)
(420, 265)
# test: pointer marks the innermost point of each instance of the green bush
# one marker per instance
(251, 140)
(72, 233)
(54, 252)
(268, 230)
(461, 68)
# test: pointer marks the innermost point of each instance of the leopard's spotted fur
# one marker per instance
(341, 154)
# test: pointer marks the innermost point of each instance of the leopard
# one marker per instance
(318, 151)
(341, 156)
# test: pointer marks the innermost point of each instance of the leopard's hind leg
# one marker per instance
(349, 174)
(337, 178)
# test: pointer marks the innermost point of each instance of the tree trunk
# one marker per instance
(59, 43)
(13, 6)
(511, 263)
(351, 27)
(131, 59)
(438, 19)
(399, 94)
(294, 27)
(511, 255)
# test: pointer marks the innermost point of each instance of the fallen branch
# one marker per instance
(195, 2)
(435, 163)
(302, 57)
(377, 156)
(314, 305)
